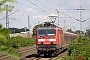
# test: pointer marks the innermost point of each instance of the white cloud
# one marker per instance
(44, 16)
(40, 17)
(52, 14)
(31, 10)
(74, 3)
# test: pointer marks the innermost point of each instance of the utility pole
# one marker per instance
(64, 25)
(80, 18)
(75, 18)
(7, 20)
(29, 35)
(28, 23)
(38, 22)
(58, 16)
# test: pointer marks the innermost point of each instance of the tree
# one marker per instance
(79, 48)
(4, 8)
(69, 30)
(34, 29)
(87, 32)
(4, 33)
(16, 30)
(78, 32)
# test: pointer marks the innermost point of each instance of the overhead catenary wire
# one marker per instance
(86, 19)
(75, 18)
(77, 9)
(69, 16)
(19, 21)
(34, 5)
(78, 19)
(24, 4)
(9, 14)
(73, 9)
(16, 11)
(44, 5)
(37, 6)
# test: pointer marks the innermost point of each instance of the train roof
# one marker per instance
(69, 33)
(50, 27)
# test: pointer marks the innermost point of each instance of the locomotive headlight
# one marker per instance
(52, 39)
(53, 43)
(41, 40)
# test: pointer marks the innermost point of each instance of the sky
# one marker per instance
(39, 10)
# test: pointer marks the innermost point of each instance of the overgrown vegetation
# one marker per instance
(4, 49)
(3, 7)
(18, 41)
(79, 49)
(8, 45)
(87, 33)
(10, 52)
(4, 33)
(34, 29)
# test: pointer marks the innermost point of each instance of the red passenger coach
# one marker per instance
(51, 40)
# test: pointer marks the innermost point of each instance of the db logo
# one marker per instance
(80, 57)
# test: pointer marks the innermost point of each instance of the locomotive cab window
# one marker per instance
(51, 32)
(42, 32)
(48, 32)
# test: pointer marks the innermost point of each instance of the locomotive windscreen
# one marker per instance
(51, 32)
(42, 32)
(46, 32)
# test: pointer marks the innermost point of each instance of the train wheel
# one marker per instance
(39, 54)
(55, 54)
(45, 54)
(50, 54)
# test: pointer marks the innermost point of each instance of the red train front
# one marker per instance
(48, 41)
(51, 40)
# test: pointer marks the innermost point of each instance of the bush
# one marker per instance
(18, 41)
(80, 48)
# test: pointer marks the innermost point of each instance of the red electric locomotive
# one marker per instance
(51, 40)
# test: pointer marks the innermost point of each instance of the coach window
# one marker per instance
(71, 37)
(65, 37)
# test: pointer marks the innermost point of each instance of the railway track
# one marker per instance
(30, 53)
(22, 50)
(36, 57)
